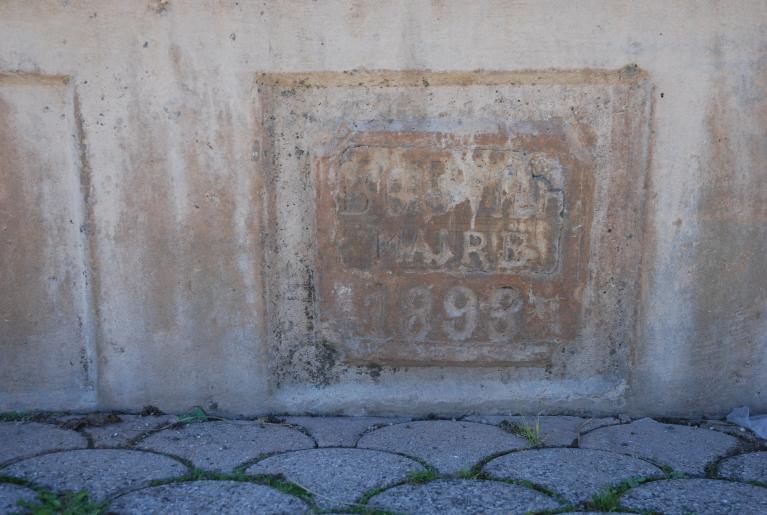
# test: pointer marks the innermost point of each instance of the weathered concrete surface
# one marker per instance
(557, 431)
(10, 495)
(221, 446)
(462, 496)
(575, 474)
(745, 467)
(448, 446)
(346, 474)
(340, 431)
(683, 448)
(19, 440)
(458, 234)
(48, 354)
(101, 472)
(704, 496)
(228, 497)
(254, 230)
(420, 467)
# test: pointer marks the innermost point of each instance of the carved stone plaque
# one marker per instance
(444, 248)
(451, 219)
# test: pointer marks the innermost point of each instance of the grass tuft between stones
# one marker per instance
(422, 476)
(530, 432)
(15, 416)
(608, 499)
(23, 416)
(671, 473)
(473, 473)
(67, 503)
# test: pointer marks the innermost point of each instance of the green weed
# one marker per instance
(422, 476)
(68, 503)
(531, 433)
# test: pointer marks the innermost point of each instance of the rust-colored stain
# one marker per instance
(442, 248)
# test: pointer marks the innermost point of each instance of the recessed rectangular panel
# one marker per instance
(47, 356)
(468, 220)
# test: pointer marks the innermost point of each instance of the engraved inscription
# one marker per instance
(436, 248)
(469, 210)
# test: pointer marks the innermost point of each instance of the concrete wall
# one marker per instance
(191, 193)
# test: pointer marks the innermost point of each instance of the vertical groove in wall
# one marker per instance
(647, 232)
(268, 225)
(87, 245)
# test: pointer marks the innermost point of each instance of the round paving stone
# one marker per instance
(746, 467)
(698, 496)
(221, 446)
(130, 427)
(460, 496)
(101, 472)
(19, 439)
(447, 445)
(10, 495)
(340, 431)
(336, 476)
(685, 449)
(555, 431)
(229, 497)
(575, 474)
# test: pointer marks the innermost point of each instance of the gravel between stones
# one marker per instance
(461, 496)
(685, 449)
(11, 494)
(102, 472)
(745, 467)
(447, 445)
(575, 474)
(193, 497)
(19, 439)
(338, 476)
(221, 446)
(698, 496)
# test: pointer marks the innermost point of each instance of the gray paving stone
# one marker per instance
(575, 474)
(101, 472)
(121, 433)
(447, 445)
(595, 423)
(19, 439)
(221, 446)
(193, 497)
(557, 431)
(745, 467)
(10, 495)
(685, 449)
(340, 431)
(338, 476)
(730, 429)
(698, 496)
(459, 496)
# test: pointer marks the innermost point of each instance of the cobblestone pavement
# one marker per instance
(123, 463)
